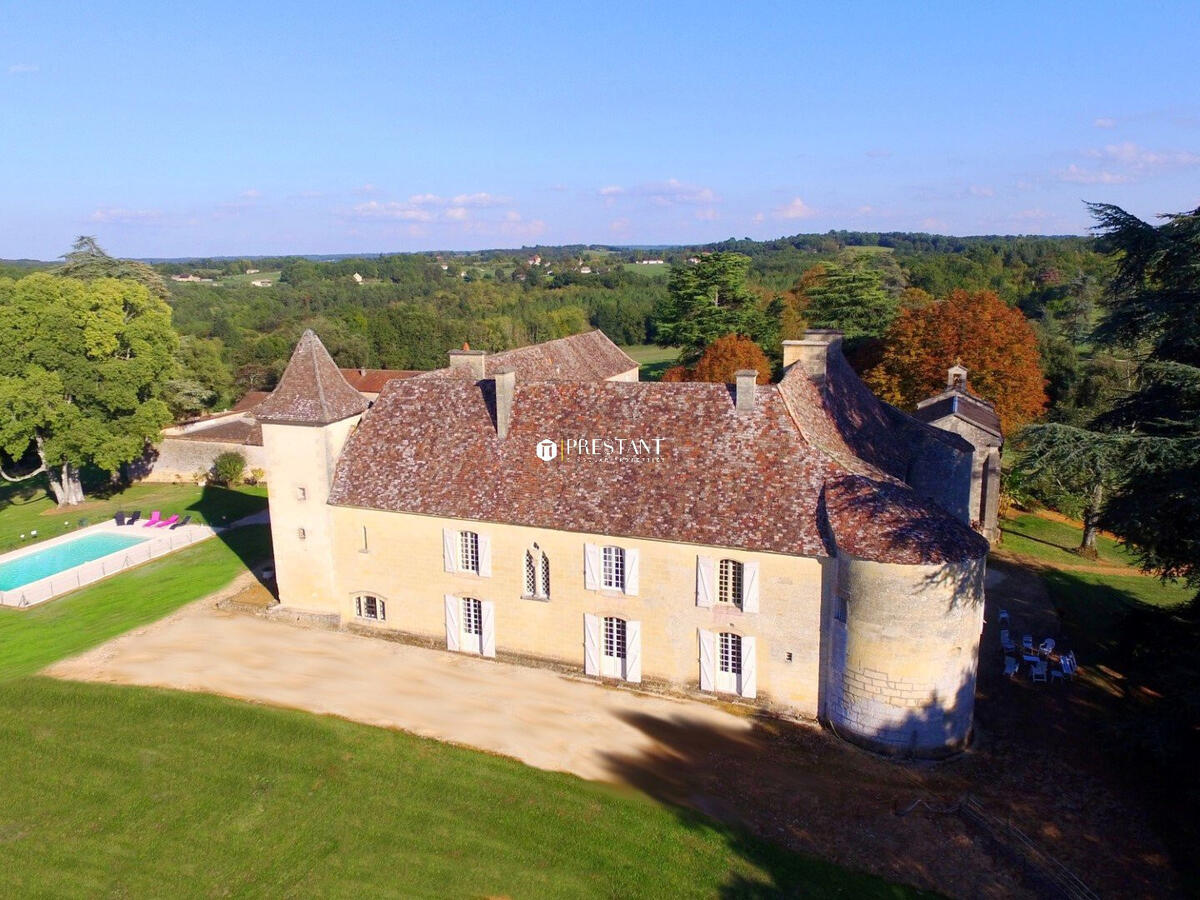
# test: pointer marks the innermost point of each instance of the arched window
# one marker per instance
(537, 574)
(730, 581)
(368, 606)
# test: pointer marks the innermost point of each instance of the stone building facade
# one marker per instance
(798, 545)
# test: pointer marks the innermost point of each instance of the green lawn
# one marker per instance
(663, 271)
(143, 792)
(35, 637)
(27, 507)
(1052, 541)
(244, 280)
(653, 360)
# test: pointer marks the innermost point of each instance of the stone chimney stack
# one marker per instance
(471, 360)
(506, 385)
(745, 390)
(812, 352)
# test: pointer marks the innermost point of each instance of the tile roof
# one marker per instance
(312, 391)
(371, 381)
(238, 430)
(784, 477)
(590, 356)
(250, 400)
(968, 407)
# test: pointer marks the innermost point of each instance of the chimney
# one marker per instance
(812, 352)
(506, 384)
(471, 360)
(745, 390)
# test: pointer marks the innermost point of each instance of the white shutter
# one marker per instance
(749, 684)
(450, 549)
(704, 580)
(633, 651)
(591, 644)
(750, 587)
(708, 660)
(485, 556)
(591, 567)
(631, 572)
(489, 627)
(451, 622)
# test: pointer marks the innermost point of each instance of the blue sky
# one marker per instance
(196, 129)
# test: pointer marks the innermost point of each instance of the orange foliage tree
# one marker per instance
(722, 359)
(979, 330)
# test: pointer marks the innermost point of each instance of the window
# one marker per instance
(468, 552)
(301, 534)
(840, 612)
(364, 548)
(731, 653)
(301, 494)
(368, 607)
(537, 574)
(472, 613)
(729, 582)
(613, 568)
(614, 638)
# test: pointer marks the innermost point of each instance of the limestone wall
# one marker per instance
(943, 475)
(402, 563)
(904, 653)
(180, 460)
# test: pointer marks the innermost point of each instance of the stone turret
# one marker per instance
(305, 423)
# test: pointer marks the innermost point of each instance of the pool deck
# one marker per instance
(158, 542)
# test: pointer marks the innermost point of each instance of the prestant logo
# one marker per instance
(605, 449)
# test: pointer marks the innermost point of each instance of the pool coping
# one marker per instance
(156, 544)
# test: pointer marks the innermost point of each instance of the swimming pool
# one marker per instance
(59, 558)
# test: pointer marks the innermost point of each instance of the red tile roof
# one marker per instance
(371, 381)
(251, 400)
(590, 356)
(781, 478)
(312, 391)
(237, 430)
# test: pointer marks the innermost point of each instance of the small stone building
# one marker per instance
(974, 419)
(800, 546)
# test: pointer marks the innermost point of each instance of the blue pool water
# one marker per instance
(53, 560)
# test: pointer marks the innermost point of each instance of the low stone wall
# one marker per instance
(178, 459)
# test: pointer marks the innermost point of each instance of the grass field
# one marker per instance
(663, 271)
(33, 638)
(27, 507)
(244, 280)
(653, 360)
(143, 792)
(1053, 541)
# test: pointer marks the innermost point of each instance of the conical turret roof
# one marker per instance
(312, 391)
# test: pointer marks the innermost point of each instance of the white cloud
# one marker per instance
(366, 189)
(759, 217)
(611, 190)
(457, 213)
(481, 199)
(117, 215)
(512, 216)
(23, 68)
(405, 212)
(982, 190)
(251, 194)
(1105, 122)
(619, 226)
(672, 192)
(865, 210)
(708, 214)
(796, 209)
(426, 200)
(1073, 174)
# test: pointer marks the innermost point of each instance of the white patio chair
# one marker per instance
(1010, 666)
(1037, 671)
(1004, 621)
(1058, 674)
(1047, 645)
(1027, 641)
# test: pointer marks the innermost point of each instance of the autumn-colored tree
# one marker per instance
(721, 361)
(993, 340)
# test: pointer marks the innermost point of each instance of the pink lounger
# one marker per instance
(155, 518)
(165, 522)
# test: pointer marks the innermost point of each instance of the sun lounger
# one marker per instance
(119, 517)
(155, 518)
(1006, 642)
(167, 522)
(137, 514)
(1037, 671)
(182, 522)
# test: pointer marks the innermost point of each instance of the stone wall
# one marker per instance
(903, 655)
(176, 459)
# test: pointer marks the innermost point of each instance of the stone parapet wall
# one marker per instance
(181, 460)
